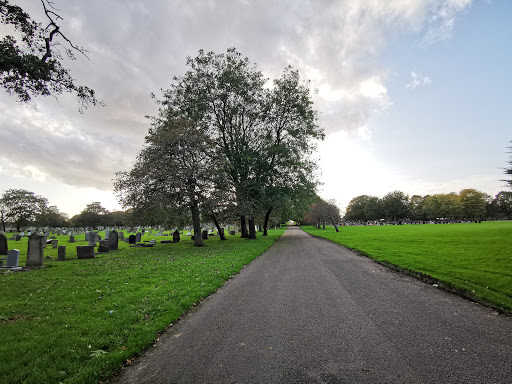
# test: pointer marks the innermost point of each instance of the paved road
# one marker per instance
(309, 311)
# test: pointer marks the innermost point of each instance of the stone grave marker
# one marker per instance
(86, 236)
(55, 244)
(71, 239)
(176, 237)
(35, 253)
(113, 240)
(138, 237)
(13, 258)
(85, 252)
(132, 239)
(205, 235)
(106, 234)
(61, 253)
(103, 246)
(3, 244)
(93, 238)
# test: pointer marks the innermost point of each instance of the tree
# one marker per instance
(508, 171)
(373, 209)
(50, 216)
(442, 206)
(176, 166)
(94, 215)
(502, 205)
(21, 207)
(356, 208)
(32, 67)
(263, 136)
(473, 203)
(396, 205)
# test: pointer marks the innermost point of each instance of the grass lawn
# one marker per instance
(78, 321)
(475, 259)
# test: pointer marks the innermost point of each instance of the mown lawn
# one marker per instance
(78, 321)
(473, 258)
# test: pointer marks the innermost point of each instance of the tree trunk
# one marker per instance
(219, 229)
(243, 227)
(323, 224)
(252, 229)
(196, 221)
(334, 224)
(265, 225)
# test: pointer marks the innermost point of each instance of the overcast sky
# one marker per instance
(414, 95)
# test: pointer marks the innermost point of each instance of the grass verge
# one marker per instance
(78, 321)
(472, 259)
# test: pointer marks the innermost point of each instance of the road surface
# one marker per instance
(310, 311)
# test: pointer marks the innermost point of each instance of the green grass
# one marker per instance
(77, 321)
(474, 259)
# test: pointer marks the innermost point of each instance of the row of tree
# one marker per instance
(226, 142)
(469, 204)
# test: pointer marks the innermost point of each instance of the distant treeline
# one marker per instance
(468, 204)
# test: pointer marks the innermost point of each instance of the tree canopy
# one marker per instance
(33, 66)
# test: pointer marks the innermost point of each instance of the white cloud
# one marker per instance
(418, 81)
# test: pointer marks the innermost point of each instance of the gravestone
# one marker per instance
(138, 237)
(55, 244)
(35, 255)
(152, 242)
(113, 242)
(121, 236)
(85, 252)
(86, 236)
(71, 239)
(106, 234)
(93, 238)
(205, 235)
(61, 253)
(176, 237)
(132, 239)
(103, 246)
(17, 238)
(3, 244)
(13, 258)
(232, 233)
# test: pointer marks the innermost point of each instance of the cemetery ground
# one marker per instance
(78, 321)
(472, 259)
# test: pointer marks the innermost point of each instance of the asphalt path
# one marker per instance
(310, 311)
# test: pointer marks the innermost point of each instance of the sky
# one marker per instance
(414, 95)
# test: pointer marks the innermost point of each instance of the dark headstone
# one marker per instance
(17, 238)
(232, 233)
(61, 253)
(55, 244)
(71, 239)
(85, 252)
(103, 247)
(176, 237)
(113, 242)
(3, 244)
(205, 235)
(138, 237)
(35, 256)
(132, 239)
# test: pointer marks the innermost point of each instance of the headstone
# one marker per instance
(205, 235)
(85, 252)
(61, 253)
(86, 236)
(138, 237)
(35, 254)
(132, 239)
(3, 244)
(13, 258)
(113, 242)
(106, 234)
(93, 238)
(103, 247)
(55, 244)
(121, 236)
(71, 239)
(152, 242)
(176, 237)
(17, 238)
(232, 233)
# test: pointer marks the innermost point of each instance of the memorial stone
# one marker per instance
(35, 253)
(176, 237)
(106, 234)
(55, 244)
(205, 235)
(138, 237)
(85, 252)
(13, 258)
(103, 246)
(132, 239)
(61, 253)
(93, 238)
(71, 239)
(113, 242)
(3, 244)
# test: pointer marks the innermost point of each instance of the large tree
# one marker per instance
(93, 215)
(22, 207)
(356, 208)
(473, 203)
(33, 66)
(396, 205)
(176, 166)
(263, 135)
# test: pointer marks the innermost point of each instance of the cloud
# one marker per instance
(137, 48)
(418, 81)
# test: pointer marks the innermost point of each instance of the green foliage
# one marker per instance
(21, 207)
(474, 258)
(78, 321)
(32, 67)
(94, 215)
